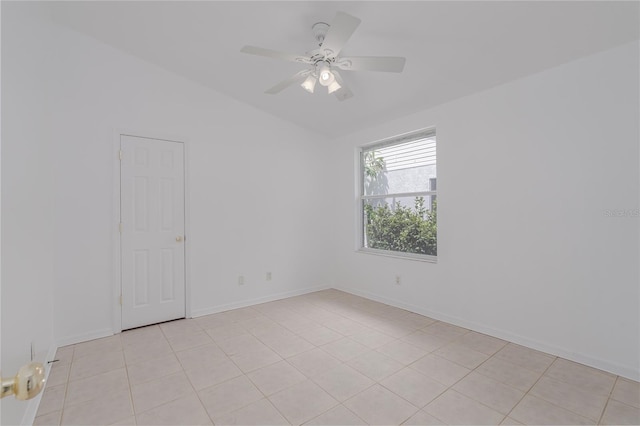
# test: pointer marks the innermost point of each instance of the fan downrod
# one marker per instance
(320, 31)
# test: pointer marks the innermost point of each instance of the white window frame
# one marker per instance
(361, 198)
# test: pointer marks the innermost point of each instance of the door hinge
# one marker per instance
(120, 227)
(120, 300)
(120, 155)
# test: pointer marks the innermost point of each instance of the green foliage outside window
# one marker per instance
(401, 228)
(373, 165)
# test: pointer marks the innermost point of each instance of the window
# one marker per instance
(398, 196)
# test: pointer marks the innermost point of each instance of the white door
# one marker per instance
(152, 238)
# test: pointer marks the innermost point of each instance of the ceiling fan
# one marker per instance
(325, 61)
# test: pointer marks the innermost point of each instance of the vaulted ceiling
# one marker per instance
(453, 49)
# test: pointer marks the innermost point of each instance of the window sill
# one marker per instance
(399, 255)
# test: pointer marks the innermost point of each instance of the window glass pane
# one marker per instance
(405, 167)
(394, 218)
(403, 224)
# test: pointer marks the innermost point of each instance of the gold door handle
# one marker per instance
(179, 238)
(26, 384)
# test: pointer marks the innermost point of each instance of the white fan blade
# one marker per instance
(371, 63)
(343, 93)
(260, 51)
(340, 30)
(296, 78)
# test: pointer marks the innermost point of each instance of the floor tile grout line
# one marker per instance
(130, 386)
(529, 390)
(480, 402)
(351, 411)
(624, 403)
(400, 396)
(606, 404)
(516, 365)
(66, 389)
(455, 390)
(194, 389)
(265, 396)
(608, 397)
(64, 402)
(65, 406)
(159, 378)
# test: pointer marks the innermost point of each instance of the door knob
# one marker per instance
(179, 238)
(26, 384)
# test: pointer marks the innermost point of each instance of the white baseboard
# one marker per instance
(250, 302)
(620, 370)
(84, 337)
(33, 405)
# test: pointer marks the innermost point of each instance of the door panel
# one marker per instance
(152, 243)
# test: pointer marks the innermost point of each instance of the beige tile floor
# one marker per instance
(324, 358)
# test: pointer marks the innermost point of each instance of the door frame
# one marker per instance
(116, 311)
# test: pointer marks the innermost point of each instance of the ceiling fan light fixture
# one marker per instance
(325, 76)
(333, 87)
(309, 84)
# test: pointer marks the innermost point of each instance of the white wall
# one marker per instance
(253, 180)
(249, 181)
(27, 203)
(525, 250)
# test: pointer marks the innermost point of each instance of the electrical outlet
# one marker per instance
(241, 280)
(268, 277)
(397, 279)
